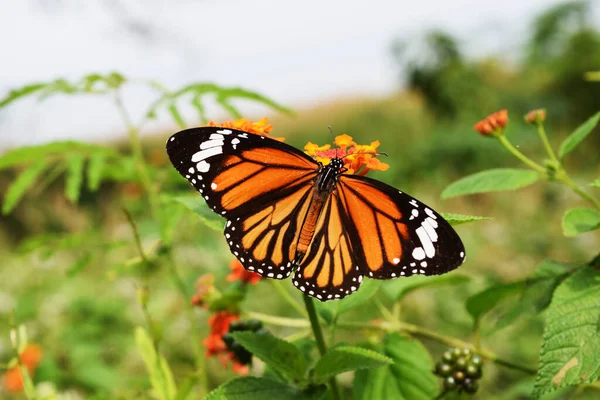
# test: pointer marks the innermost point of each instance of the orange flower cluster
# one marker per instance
(358, 158)
(536, 116)
(493, 124)
(30, 358)
(239, 273)
(215, 346)
(261, 127)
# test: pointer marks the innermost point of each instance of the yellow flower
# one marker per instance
(344, 141)
(261, 127)
(312, 149)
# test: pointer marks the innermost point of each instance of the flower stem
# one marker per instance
(316, 328)
(513, 150)
(544, 138)
(399, 327)
(285, 295)
(563, 177)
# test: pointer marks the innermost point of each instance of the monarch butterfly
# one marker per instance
(288, 213)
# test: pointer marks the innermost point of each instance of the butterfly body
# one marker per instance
(287, 214)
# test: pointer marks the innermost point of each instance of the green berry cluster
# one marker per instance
(241, 354)
(461, 370)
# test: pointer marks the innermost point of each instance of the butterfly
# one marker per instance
(287, 213)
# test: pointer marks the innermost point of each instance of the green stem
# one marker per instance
(285, 295)
(399, 327)
(562, 176)
(316, 328)
(544, 138)
(513, 150)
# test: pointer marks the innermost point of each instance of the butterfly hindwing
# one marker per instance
(394, 234)
(329, 269)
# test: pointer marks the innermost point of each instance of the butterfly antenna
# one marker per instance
(333, 139)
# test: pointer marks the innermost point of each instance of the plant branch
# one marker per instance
(562, 176)
(514, 151)
(544, 138)
(316, 328)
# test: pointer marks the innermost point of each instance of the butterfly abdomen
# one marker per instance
(308, 227)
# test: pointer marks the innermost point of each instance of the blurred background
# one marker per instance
(414, 75)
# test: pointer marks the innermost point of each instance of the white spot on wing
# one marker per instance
(211, 143)
(418, 254)
(204, 154)
(425, 242)
(213, 186)
(203, 166)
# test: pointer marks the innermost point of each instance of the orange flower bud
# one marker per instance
(492, 125)
(239, 273)
(536, 116)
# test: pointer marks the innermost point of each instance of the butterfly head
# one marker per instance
(336, 164)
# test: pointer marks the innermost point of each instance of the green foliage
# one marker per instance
(596, 183)
(74, 177)
(571, 344)
(347, 358)
(578, 135)
(580, 220)
(198, 205)
(331, 310)
(22, 184)
(161, 377)
(251, 388)
(484, 301)
(410, 377)
(280, 355)
(398, 288)
(457, 219)
(492, 180)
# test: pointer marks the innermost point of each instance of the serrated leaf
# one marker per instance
(347, 358)
(335, 308)
(484, 301)
(492, 180)
(578, 135)
(457, 219)
(409, 378)
(251, 388)
(197, 205)
(161, 377)
(74, 178)
(19, 186)
(94, 170)
(570, 353)
(536, 293)
(277, 353)
(398, 288)
(580, 220)
(596, 183)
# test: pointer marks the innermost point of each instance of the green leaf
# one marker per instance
(484, 301)
(161, 377)
(334, 308)
(570, 353)
(32, 154)
(409, 378)
(74, 177)
(197, 205)
(398, 288)
(347, 358)
(457, 219)
(16, 94)
(596, 183)
(536, 292)
(176, 115)
(492, 180)
(24, 181)
(578, 135)
(580, 220)
(186, 388)
(277, 353)
(251, 388)
(94, 171)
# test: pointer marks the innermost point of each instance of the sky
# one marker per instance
(298, 53)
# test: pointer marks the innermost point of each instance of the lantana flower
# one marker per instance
(216, 347)
(30, 358)
(493, 124)
(261, 127)
(358, 159)
(239, 273)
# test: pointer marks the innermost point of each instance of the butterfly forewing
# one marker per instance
(394, 234)
(260, 185)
